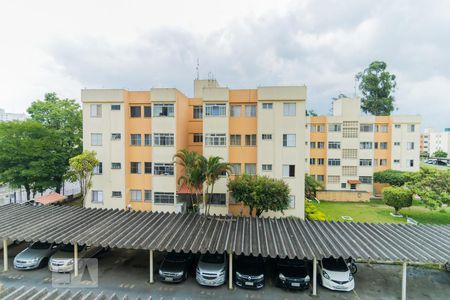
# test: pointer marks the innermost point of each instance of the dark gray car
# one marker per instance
(35, 256)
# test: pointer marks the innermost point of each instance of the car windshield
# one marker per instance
(176, 257)
(248, 260)
(40, 246)
(292, 263)
(213, 258)
(69, 248)
(335, 264)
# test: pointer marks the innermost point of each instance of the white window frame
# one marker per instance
(96, 139)
(96, 110)
(289, 109)
(250, 110)
(289, 140)
(215, 140)
(163, 110)
(267, 105)
(215, 110)
(97, 196)
(168, 138)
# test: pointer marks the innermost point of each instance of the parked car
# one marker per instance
(62, 260)
(335, 274)
(175, 267)
(249, 272)
(211, 269)
(35, 256)
(292, 274)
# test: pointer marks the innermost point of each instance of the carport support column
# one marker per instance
(230, 270)
(75, 259)
(404, 282)
(5, 255)
(151, 265)
(314, 277)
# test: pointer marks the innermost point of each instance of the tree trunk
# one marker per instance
(204, 198)
(258, 212)
(209, 198)
(27, 189)
(396, 210)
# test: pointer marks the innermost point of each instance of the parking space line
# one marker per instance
(356, 294)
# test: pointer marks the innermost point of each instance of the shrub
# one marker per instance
(397, 197)
(392, 177)
(313, 213)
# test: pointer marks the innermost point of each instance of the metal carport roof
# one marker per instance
(283, 237)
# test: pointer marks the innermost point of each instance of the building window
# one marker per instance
(163, 110)
(288, 140)
(135, 167)
(266, 136)
(334, 145)
(291, 201)
(320, 178)
(147, 139)
(398, 126)
(320, 145)
(312, 161)
(365, 145)
(381, 128)
(116, 166)
(198, 138)
(350, 133)
(215, 110)
(147, 195)
(334, 127)
(135, 111)
(163, 198)
(365, 179)
(235, 110)
(320, 161)
(217, 199)
(96, 110)
(383, 162)
(267, 105)
(98, 169)
(349, 170)
(365, 162)
(410, 146)
(289, 109)
(250, 169)
(396, 143)
(116, 194)
(116, 136)
(366, 127)
(334, 162)
(350, 153)
(147, 111)
(97, 196)
(96, 139)
(250, 110)
(267, 167)
(317, 128)
(236, 169)
(411, 127)
(411, 162)
(235, 139)
(250, 140)
(312, 145)
(135, 139)
(115, 106)
(215, 139)
(396, 161)
(288, 170)
(163, 169)
(164, 139)
(198, 112)
(136, 195)
(147, 167)
(334, 179)
(343, 185)
(383, 145)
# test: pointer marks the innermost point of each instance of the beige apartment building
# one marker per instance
(136, 134)
(346, 148)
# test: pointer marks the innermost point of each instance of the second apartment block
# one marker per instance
(136, 134)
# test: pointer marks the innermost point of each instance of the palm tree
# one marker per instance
(214, 167)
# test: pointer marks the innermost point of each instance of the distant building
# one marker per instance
(4, 116)
(432, 141)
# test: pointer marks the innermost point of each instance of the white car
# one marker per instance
(62, 260)
(335, 275)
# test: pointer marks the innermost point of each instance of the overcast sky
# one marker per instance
(64, 46)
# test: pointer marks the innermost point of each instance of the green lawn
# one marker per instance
(376, 212)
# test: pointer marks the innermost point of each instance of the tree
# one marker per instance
(311, 187)
(377, 86)
(27, 156)
(311, 113)
(213, 167)
(63, 117)
(340, 96)
(392, 177)
(81, 170)
(440, 154)
(260, 193)
(432, 186)
(397, 197)
(313, 213)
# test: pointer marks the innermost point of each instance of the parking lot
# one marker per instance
(126, 272)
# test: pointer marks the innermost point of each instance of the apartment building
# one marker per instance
(4, 116)
(136, 134)
(432, 141)
(346, 148)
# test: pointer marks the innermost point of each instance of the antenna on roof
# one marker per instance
(354, 94)
(198, 69)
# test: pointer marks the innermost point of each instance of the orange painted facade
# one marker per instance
(383, 137)
(318, 153)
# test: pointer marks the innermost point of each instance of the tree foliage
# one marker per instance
(62, 117)
(392, 177)
(311, 186)
(313, 213)
(260, 193)
(440, 154)
(432, 186)
(27, 156)
(340, 96)
(377, 86)
(213, 167)
(81, 170)
(397, 197)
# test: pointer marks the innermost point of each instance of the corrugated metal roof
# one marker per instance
(283, 237)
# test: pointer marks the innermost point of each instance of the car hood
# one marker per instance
(209, 267)
(62, 255)
(338, 275)
(171, 266)
(293, 272)
(28, 254)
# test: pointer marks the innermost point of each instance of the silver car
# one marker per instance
(62, 260)
(35, 256)
(211, 269)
